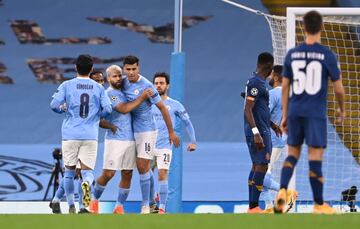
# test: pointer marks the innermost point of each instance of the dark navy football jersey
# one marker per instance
(308, 67)
(256, 88)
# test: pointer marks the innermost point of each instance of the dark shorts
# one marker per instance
(313, 130)
(262, 156)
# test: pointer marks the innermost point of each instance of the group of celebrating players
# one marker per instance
(302, 115)
(139, 118)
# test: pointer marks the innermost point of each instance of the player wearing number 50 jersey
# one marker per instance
(307, 69)
(85, 102)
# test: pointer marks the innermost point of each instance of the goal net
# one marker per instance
(342, 157)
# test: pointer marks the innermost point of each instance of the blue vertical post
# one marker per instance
(177, 82)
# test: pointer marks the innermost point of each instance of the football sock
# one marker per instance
(122, 196)
(287, 171)
(98, 190)
(257, 188)
(87, 176)
(270, 183)
(69, 186)
(60, 192)
(163, 192)
(316, 181)
(145, 188)
(79, 181)
(152, 188)
(250, 183)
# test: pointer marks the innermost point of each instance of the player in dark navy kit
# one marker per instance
(257, 128)
(307, 69)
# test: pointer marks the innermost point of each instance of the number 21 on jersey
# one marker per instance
(306, 77)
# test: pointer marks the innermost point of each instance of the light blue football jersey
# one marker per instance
(276, 113)
(85, 100)
(121, 121)
(143, 120)
(176, 110)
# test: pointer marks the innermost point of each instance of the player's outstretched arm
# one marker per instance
(284, 103)
(340, 98)
(174, 139)
(108, 125)
(130, 106)
(249, 104)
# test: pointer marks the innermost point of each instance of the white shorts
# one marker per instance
(145, 144)
(276, 155)
(119, 155)
(79, 150)
(163, 158)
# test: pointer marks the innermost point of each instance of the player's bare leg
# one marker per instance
(124, 189)
(284, 196)
(143, 166)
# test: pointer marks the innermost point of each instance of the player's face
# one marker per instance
(132, 72)
(161, 85)
(272, 79)
(114, 79)
(99, 78)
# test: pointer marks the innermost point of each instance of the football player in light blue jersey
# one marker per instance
(163, 151)
(85, 102)
(278, 143)
(145, 131)
(98, 77)
(119, 148)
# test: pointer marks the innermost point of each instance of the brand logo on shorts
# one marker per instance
(136, 92)
(111, 162)
(254, 91)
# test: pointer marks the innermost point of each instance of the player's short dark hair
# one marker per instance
(265, 58)
(278, 69)
(313, 22)
(95, 72)
(162, 75)
(130, 60)
(84, 64)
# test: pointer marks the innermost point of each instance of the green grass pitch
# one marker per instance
(183, 221)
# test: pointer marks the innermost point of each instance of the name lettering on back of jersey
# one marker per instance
(84, 86)
(309, 55)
